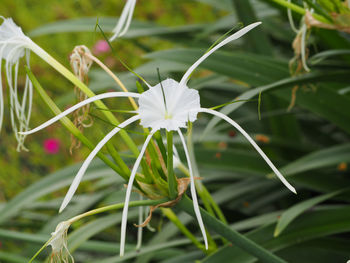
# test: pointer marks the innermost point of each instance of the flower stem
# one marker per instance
(171, 175)
(116, 207)
(299, 10)
(235, 237)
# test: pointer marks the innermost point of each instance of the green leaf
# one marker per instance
(293, 212)
(318, 223)
(319, 159)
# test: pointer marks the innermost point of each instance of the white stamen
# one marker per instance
(257, 148)
(73, 187)
(128, 193)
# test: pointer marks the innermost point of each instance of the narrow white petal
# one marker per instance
(127, 25)
(121, 20)
(124, 20)
(257, 148)
(88, 160)
(235, 36)
(81, 104)
(193, 191)
(128, 193)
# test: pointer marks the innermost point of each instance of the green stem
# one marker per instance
(116, 207)
(299, 10)
(173, 218)
(215, 206)
(225, 231)
(69, 125)
(170, 166)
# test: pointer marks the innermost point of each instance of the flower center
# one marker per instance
(168, 116)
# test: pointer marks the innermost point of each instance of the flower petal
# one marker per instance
(193, 191)
(88, 160)
(257, 148)
(128, 193)
(124, 20)
(81, 104)
(235, 36)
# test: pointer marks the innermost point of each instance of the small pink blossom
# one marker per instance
(52, 146)
(101, 47)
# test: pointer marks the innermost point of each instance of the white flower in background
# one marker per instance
(168, 105)
(13, 46)
(124, 20)
(58, 242)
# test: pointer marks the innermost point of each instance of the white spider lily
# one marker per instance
(124, 20)
(13, 46)
(168, 105)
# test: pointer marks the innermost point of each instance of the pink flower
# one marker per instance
(52, 146)
(101, 47)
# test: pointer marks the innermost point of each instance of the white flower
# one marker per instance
(168, 105)
(170, 112)
(13, 46)
(58, 242)
(124, 20)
